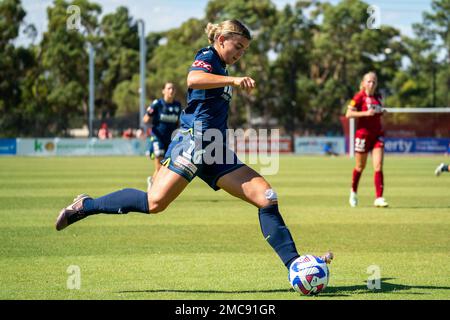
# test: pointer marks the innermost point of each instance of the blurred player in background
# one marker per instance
(328, 150)
(441, 168)
(209, 94)
(164, 114)
(366, 107)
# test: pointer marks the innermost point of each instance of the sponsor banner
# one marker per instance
(416, 145)
(36, 147)
(319, 145)
(8, 146)
(80, 147)
(263, 144)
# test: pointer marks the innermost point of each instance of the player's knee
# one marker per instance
(270, 198)
(156, 205)
(378, 167)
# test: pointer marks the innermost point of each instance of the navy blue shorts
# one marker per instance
(190, 156)
(157, 147)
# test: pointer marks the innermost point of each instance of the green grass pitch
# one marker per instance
(208, 245)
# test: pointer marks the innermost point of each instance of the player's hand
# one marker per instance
(370, 112)
(246, 83)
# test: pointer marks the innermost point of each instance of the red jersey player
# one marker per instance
(366, 107)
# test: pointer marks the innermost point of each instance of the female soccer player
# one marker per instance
(164, 114)
(209, 94)
(367, 108)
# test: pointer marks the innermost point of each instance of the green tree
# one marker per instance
(292, 37)
(344, 48)
(13, 66)
(118, 60)
(426, 80)
(172, 57)
(64, 66)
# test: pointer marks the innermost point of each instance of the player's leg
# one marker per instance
(360, 164)
(378, 178)
(167, 186)
(248, 185)
(157, 165)
(157, 150)
(169, 183)
(441, 168)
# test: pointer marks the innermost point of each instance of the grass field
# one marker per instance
(208, 245)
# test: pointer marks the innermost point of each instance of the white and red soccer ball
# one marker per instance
(309, 275)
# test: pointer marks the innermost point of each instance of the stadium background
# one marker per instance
(308, 58)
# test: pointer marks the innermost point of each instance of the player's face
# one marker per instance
(370, 83)
(169, 92)
(233, 48)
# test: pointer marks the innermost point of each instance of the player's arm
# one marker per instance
(147, 118)
(150, 112)
(198, 79)
(352, 111)
(382, 108)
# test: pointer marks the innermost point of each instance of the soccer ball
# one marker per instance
(308, 274)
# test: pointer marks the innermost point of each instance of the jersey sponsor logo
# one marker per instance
(353, 103)
(202, 64)
(171, 118)
(227, 93)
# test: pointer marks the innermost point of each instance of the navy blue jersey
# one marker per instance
(210, 106)
(164, 117)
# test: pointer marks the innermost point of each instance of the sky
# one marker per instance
(160, 15)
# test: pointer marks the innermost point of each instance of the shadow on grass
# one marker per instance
(385, 287)
(206, 291)
(421, 207)
(338, 291)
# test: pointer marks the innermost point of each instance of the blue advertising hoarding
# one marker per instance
(8, 146)
(416, 145)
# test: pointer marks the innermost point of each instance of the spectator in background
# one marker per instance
(140, 133)
(104, 132)
(128, 134)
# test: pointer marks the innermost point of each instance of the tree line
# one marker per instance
(307, 59)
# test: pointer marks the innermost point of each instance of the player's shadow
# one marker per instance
(421, 207)
(208, 200)
(205, 291)
(379, 286)
(331, 291)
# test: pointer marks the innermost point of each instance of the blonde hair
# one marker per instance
(226, 28)
(371, 73)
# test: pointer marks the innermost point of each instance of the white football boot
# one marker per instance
(380, 203)
(438, 170)
(353, 200)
